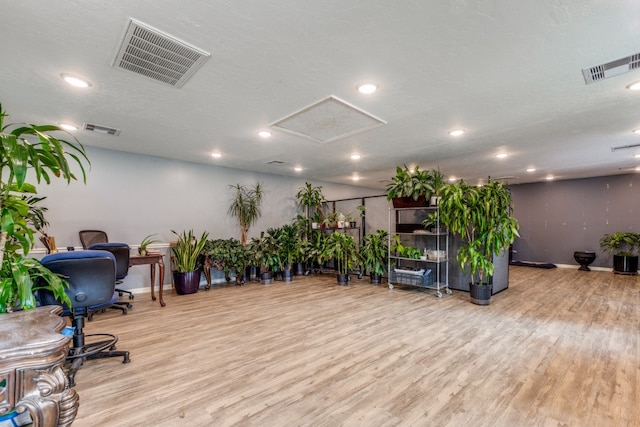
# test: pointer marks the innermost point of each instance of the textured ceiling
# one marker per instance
(507, 72)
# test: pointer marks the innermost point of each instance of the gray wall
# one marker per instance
(130, 196)
(560, 217)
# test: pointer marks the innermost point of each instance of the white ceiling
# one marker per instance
(509, 72)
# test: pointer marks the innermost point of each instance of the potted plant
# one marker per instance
(263, 252)
(625, 245)
(187, 261)
(239, 259)
(34, 148)
(410, 188)
(245, 206)
(288, 247)
(313, 250)
(342, 248)
(374, 253)
(310, 198)
(438, 182)
(148, 240)
(482, 217)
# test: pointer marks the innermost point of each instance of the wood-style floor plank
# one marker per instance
(558, 348)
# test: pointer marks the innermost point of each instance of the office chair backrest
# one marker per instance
(91, 276)
(121, 252)
(90, 237)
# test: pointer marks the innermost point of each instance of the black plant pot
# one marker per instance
(186, 283)
(375, 278)
(623, 264)
(298, 269)
(343, 279)
(480, 294)
(266, 277)
(287, 275)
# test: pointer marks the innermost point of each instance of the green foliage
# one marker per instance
(288, 245)
(342, 248)
(623, 243)
(482, 216)
(245, 206)
(25, 147)
(188, 250)
(148, 240)
(313, 249)
(263, 251)
(410, 183)
(374, 252)
(404, 251)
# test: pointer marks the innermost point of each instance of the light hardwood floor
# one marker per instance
(558, 348)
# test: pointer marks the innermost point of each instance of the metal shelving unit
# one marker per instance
(433, 272)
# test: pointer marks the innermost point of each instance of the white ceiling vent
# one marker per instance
(611, 69)
(154, 54)
(328, 120)
(101, 129)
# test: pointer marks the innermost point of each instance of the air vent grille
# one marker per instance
(101, 129)
(277, 163)
(611, 69)
(159, 56)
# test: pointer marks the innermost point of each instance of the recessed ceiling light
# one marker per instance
(531, 169)
(355, 178)
(216, 155)
(638, 168)
(69, 127)
(637, 156)
(501, 155)
(452, 179)
(264, 133)
(636, 131)
(367, 88)
(456, 132)
(549, 178)
(75, 81)
(297, 169)
(634, 86)
(355, 156)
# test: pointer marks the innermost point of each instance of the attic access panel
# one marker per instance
(328, 120)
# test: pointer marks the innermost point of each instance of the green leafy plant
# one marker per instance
(264, 252)
(188, 251)
(314, 248)
(622, 243)
(289, 245)
(342, 248)
(483, 218)
(146, 241)
(245, 206)
(23, 148)
(403, 251)
(374, 252)
(410, 183)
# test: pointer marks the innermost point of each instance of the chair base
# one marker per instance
(103, 348)
(122, 292)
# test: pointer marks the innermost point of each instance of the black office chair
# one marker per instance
(121, 252)
(92, 282)
(90, 237)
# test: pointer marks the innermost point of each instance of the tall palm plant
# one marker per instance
(23, 148)
(245, 206)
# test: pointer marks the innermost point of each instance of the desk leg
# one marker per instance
(153, 282)
(161, 268)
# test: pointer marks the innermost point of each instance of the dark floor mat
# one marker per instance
(532, 264)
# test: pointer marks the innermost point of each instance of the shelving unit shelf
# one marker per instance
(431, 272)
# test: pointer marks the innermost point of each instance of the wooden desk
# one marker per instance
(32, 352)
(152, 258)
